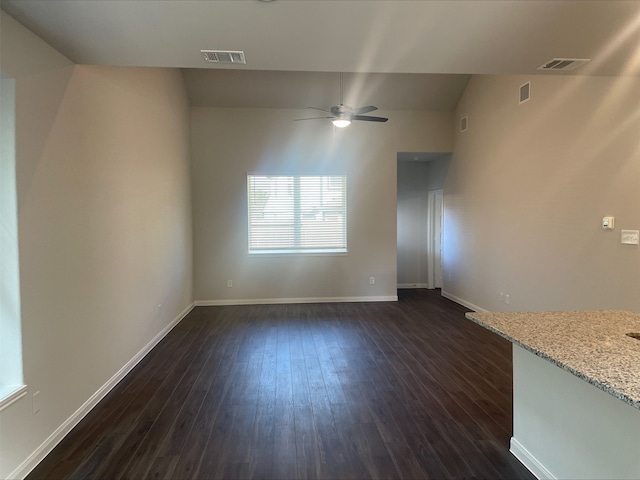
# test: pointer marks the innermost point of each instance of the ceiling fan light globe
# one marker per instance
(341, 122)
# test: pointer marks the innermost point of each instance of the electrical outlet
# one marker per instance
(501, 297)
(506, 299)
(229, 283)
(35, 402)
(372, 280)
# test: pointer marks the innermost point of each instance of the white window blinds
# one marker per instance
(297, 214)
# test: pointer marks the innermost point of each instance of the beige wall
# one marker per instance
(104, 228)
(438, 170)
(228, 143)
(528, 187)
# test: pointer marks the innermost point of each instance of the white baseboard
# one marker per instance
(529, 461)
(49, 444)
(274, 301)
(413, 285)
(462, 302)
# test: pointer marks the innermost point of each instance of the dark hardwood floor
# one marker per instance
(407, 389)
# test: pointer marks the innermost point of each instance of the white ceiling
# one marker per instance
(417, 38)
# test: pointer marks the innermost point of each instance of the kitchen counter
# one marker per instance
(563, 427)
(592, 345)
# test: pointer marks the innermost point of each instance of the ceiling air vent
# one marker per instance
(563, 63)
(224, 56)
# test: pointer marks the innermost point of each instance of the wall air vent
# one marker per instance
(224, 56)
(563, 64)
(525, 92)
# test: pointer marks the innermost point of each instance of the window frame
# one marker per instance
(12, 387)
(297, 223)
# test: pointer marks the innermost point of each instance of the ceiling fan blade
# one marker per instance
(367, 118)
(362, 110)
(321, 109)
(312, 118)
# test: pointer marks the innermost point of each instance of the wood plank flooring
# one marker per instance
(407, 389)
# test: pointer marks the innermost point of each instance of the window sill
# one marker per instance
(298, 253)
(10, 394)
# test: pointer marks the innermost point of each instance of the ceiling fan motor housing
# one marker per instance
(341, 110)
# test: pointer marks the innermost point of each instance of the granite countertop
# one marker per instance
(592, 345)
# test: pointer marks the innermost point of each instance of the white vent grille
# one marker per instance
(563, 63)
(224, 56)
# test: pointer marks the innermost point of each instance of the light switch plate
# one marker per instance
(630, 237)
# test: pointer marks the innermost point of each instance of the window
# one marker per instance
(297, 214)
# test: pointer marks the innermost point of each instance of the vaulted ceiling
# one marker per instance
(418, 54)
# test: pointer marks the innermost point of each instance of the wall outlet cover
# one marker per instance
(630, 237)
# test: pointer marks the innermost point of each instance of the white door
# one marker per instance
(434, 237)
(437, 238)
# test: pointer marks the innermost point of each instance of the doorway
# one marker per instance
(420, 185)
(412, 224)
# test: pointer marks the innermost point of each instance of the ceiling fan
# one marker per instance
(342, 115)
